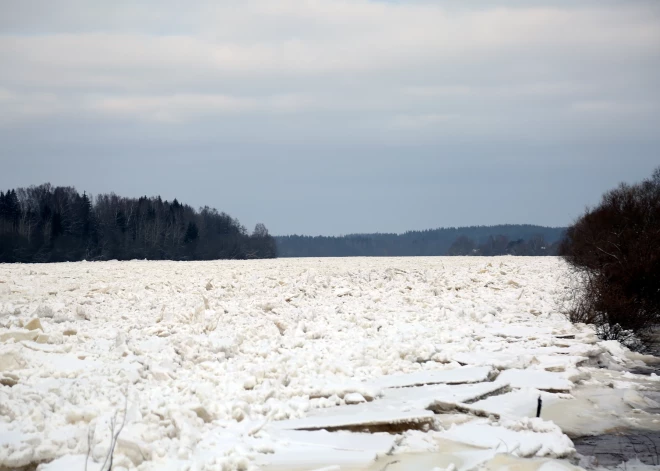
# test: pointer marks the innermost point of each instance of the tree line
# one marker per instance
(55, 224)
(534, 246)
(513, 239)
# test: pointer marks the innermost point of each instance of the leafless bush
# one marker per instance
(614, 252)
(115, 430)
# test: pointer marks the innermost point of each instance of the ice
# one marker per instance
(8, 437)
(521, 331)
(518, 403)
(308, 457)
(375, 442)
(538, 379)
(423, 396)
(453, 456)
(388, 407)
(526, 439)
(453, 376)
(494, 359)
(560, 362)
(221, 365)
(355, 419)
(295, 448)
(70, 462)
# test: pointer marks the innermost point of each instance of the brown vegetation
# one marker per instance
(614, 249)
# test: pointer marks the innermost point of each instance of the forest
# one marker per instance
(46, 223)
(510, 239)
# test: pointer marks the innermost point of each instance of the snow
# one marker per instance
(423, 396)
(341, 448)
(244, 365)
(519, 403)
(531, 438)
(358, 418)
(420, 378)
(545, 380)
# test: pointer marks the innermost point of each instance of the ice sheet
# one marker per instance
(216, 360)
(453, 376)
(526, 439)
(539, 379)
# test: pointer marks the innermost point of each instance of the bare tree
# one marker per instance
(614, 250)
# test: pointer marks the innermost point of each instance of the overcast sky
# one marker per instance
(334, 116)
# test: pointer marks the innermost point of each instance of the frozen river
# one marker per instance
(303, 364)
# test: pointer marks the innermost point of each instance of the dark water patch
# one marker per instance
(610, 450)
(646, 370)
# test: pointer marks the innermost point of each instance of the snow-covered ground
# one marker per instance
(303, 364)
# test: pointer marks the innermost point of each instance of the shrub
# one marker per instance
(614, 250)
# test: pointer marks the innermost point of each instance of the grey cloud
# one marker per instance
(335, 116)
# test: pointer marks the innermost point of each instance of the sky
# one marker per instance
(335, 116)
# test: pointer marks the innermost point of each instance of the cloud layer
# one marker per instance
(283, 94)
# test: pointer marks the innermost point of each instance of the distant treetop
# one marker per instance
(56, 224)
(513, 239)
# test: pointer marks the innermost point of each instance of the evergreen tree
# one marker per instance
(48, 224)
